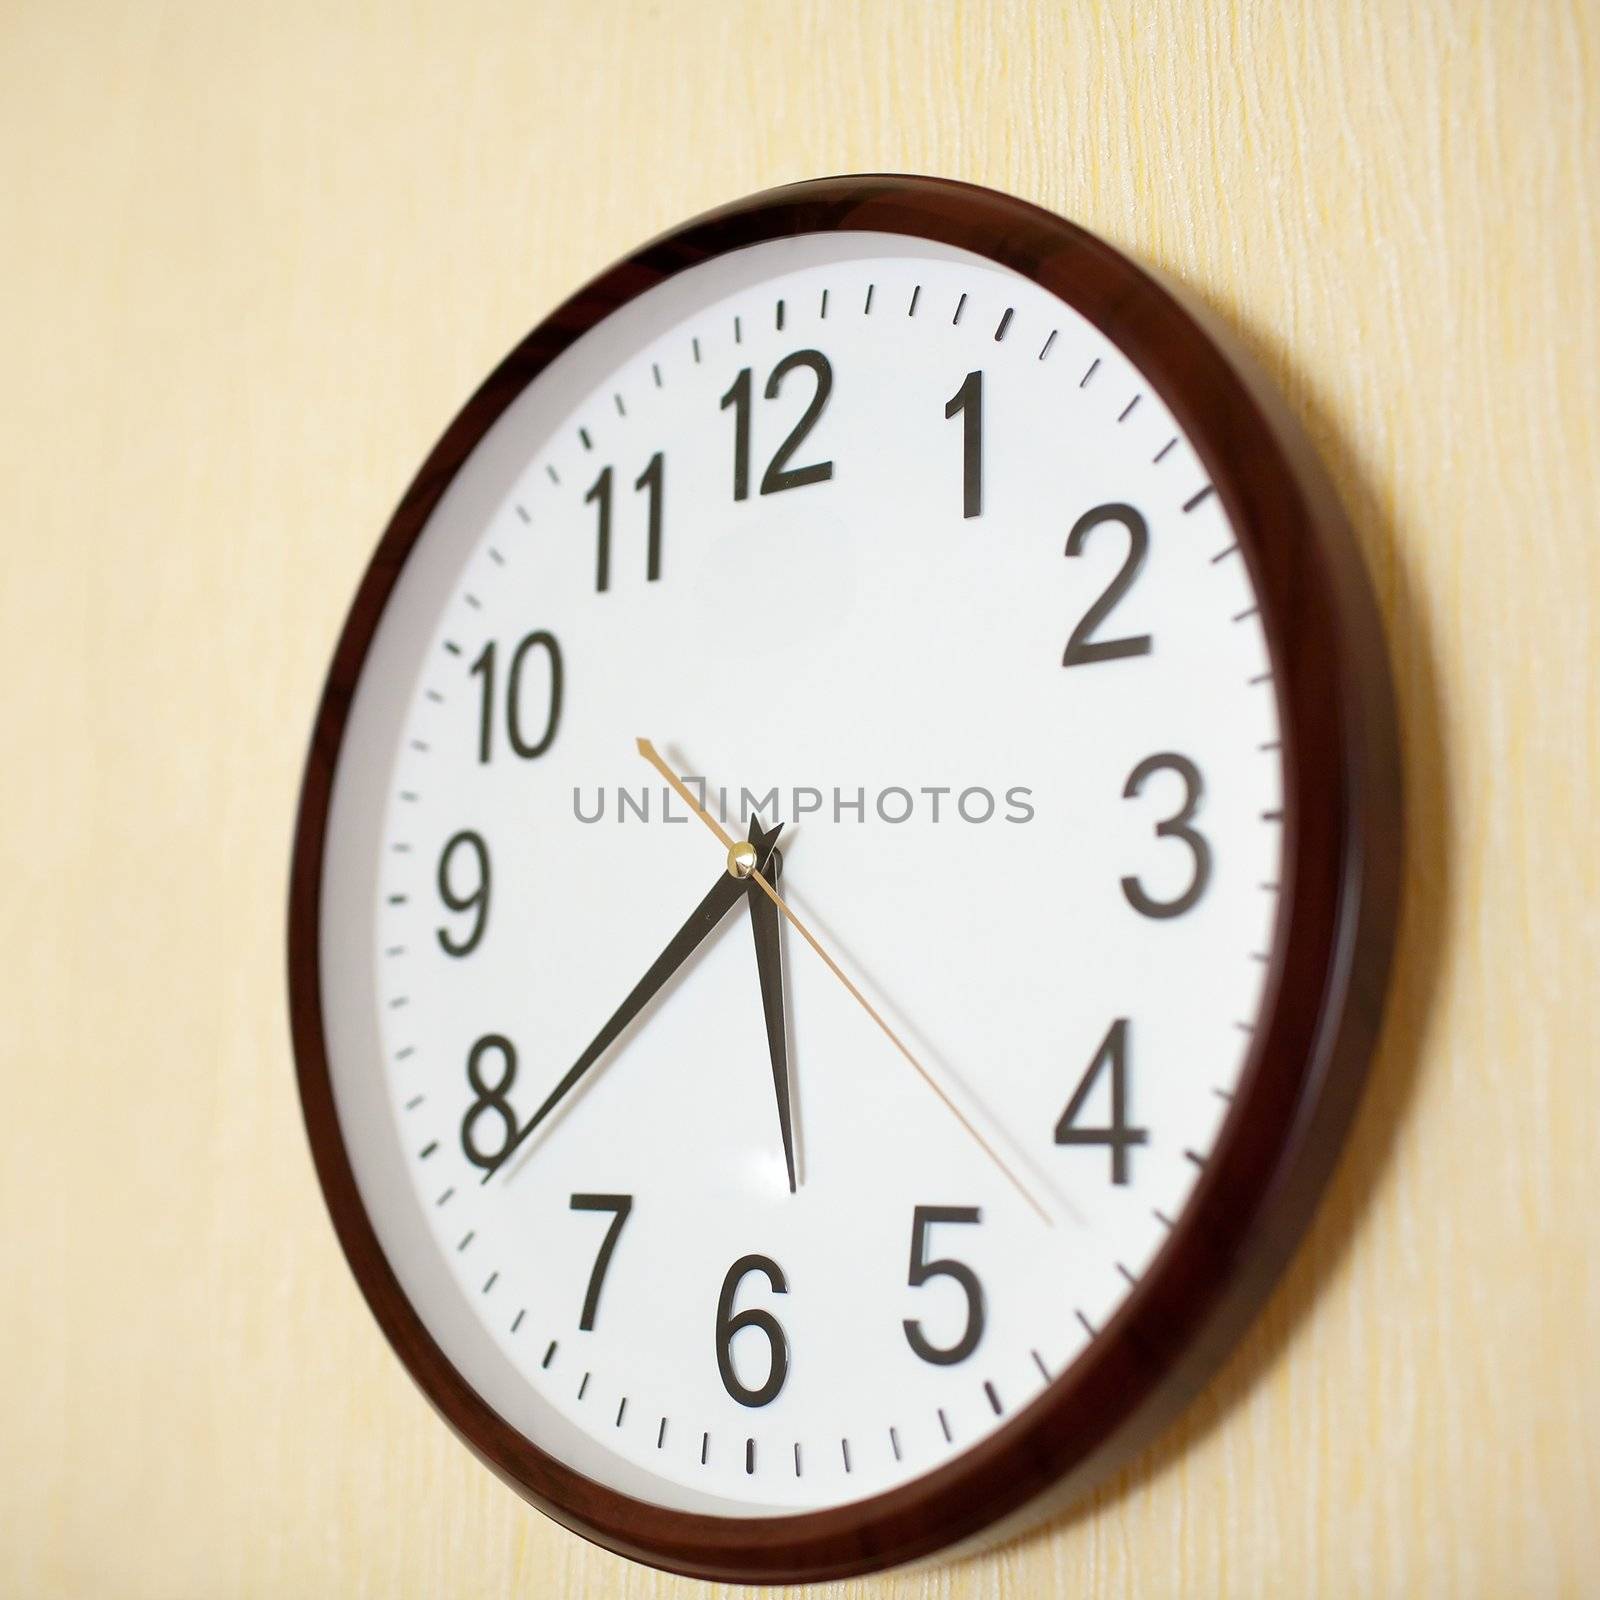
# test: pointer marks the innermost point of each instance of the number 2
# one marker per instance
(1082, 646)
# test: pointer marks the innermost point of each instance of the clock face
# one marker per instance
(745, 1184)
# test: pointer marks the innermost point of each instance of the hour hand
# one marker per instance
(769, 970)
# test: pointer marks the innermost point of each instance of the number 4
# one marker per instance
(1113, 1053)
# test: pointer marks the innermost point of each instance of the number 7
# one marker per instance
(621, 1205)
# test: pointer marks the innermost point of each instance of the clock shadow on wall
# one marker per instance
(1394, 1075)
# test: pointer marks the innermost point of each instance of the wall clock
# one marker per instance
(844, 882)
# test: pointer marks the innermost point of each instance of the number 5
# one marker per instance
(921, 1271)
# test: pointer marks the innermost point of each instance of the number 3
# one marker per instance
(1175, 827)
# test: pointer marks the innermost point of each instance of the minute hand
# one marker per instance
(724, 896)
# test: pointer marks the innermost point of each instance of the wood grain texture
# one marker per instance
(255, 257)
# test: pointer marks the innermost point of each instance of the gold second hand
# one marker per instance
(649, 752)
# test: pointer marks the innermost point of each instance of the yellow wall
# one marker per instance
(254, 257)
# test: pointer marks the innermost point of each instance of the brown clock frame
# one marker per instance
(1325, 988)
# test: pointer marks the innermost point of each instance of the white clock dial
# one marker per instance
(884, 543)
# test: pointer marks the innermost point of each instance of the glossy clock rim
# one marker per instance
(1332, 942)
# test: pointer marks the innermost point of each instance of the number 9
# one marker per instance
(477, 902)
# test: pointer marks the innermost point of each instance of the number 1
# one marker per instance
(968, 401)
